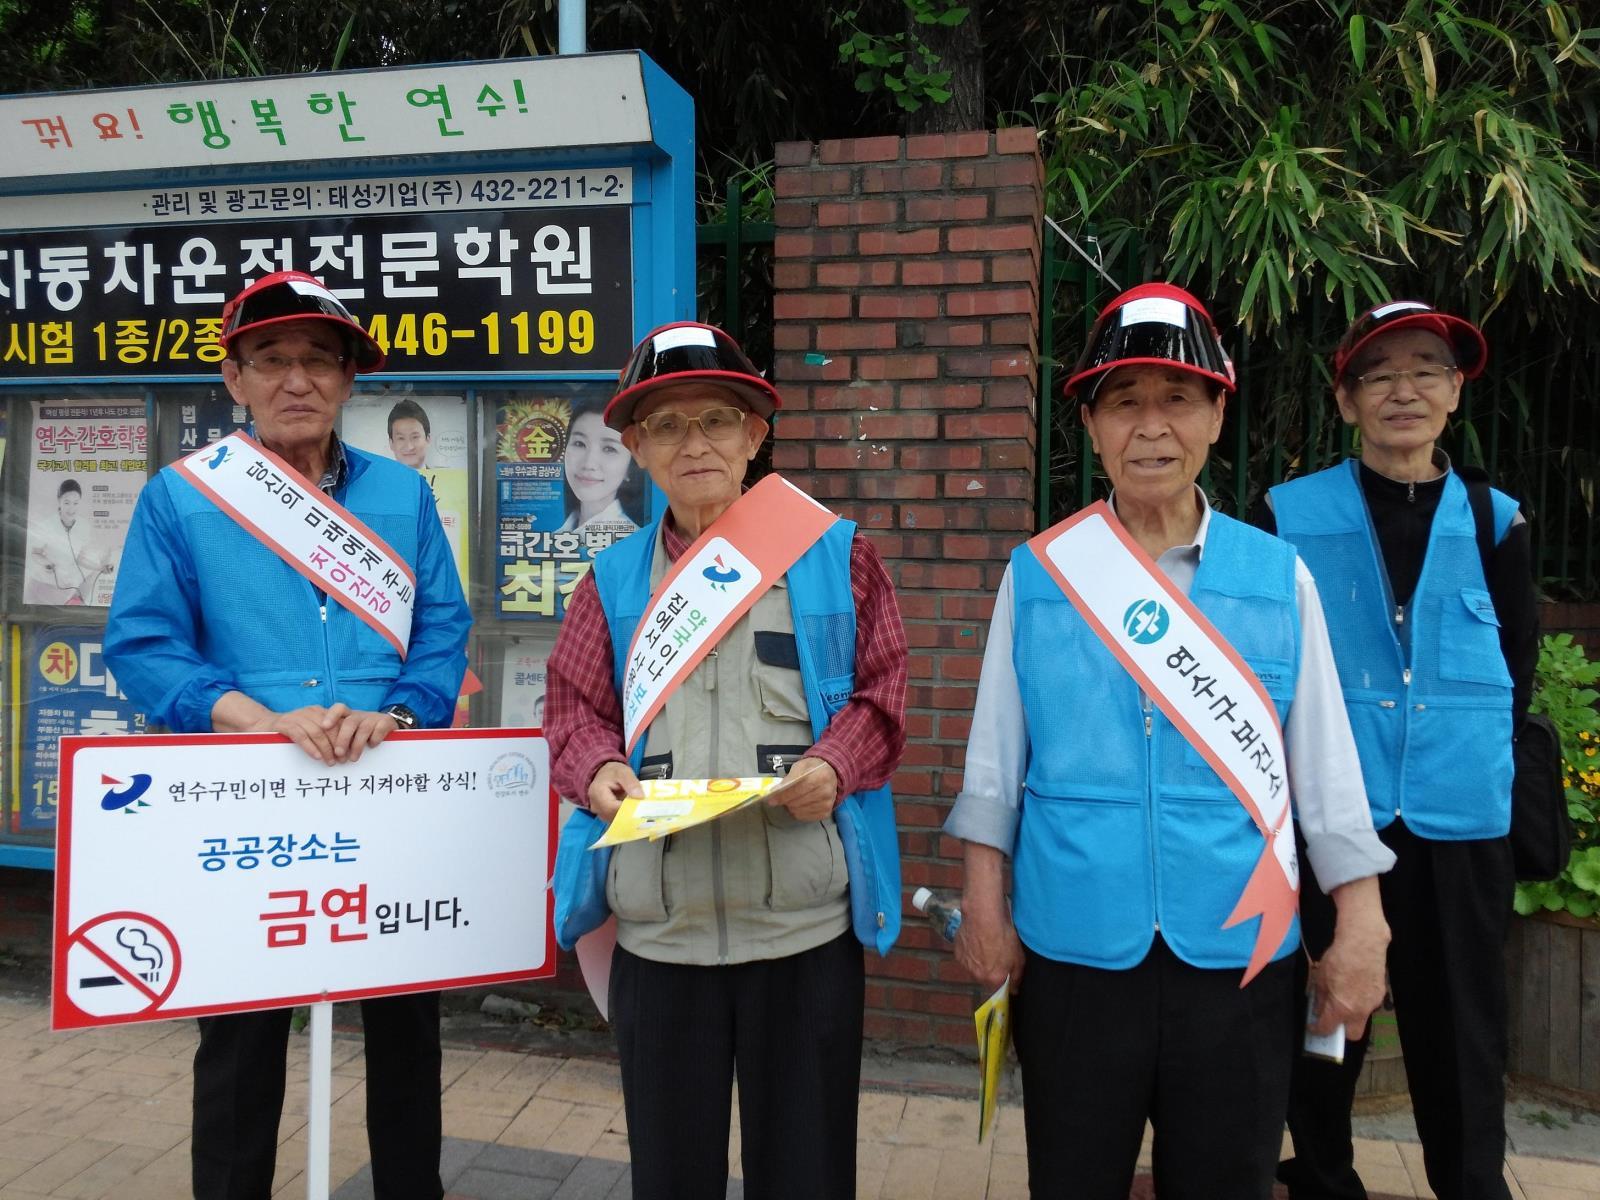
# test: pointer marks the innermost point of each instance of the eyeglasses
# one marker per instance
(670, 428)
(318, 366)
(1427, 380)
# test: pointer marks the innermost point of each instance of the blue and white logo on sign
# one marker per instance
(121, 794)
(220, 457)
(1145, 622)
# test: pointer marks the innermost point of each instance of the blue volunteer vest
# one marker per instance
(825, 636)
(1434, 732)
(264, 624)
(1125, 829)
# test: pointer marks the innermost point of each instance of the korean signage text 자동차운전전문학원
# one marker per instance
(445, 293)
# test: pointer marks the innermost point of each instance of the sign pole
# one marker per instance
(318, 1116)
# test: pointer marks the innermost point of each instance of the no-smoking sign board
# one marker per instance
(121, 965)
(207, 874)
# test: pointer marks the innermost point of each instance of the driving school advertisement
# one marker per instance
(445, 290)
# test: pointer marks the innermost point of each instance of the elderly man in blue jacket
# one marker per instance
(212, 631)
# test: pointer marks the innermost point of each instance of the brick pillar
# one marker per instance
(905, 333)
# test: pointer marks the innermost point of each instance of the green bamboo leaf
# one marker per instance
(344, 43)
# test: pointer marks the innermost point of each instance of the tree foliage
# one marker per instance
(1335, 148)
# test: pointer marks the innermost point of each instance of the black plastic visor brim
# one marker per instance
(277, 303)
(1154, 340)
(680, 360)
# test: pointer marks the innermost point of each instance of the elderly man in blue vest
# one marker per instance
(738, 942)
(212, 631)
(1157, 683)
(1436, 644)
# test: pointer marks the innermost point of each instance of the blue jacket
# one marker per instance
(825, 636)
(1125, 829)
(203, 608)
(1432, 720)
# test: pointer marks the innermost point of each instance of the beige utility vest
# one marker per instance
(756, 884)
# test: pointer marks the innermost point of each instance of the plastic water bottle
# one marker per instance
(941, 909)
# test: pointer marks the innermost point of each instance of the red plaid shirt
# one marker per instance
(863, 743)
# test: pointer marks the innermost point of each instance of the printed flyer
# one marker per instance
(68, 690)
(203, 421)
(565, 489)
(89, 461)
(522, 681)
(673, 805)
(430, 435)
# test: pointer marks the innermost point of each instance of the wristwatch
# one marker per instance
(402, 716)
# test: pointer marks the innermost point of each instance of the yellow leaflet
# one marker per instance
(993, 1022)
(672, 805)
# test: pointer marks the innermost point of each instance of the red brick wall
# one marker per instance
(906, 339)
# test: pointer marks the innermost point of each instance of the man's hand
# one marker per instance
(358, 730)
(810, 791)
(330, 735)
(610, 785)
(1348, 981)
(987, 946)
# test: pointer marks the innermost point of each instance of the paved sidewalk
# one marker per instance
(106, 1113)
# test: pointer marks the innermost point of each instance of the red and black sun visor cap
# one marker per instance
(1154, 324)
(688, 352)
(1464, 338)
(296, 296)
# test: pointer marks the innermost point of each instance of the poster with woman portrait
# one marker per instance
(565, 489)
(88, 464)
(429, 435)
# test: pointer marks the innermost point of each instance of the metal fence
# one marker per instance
(1531, 419)
(735, 274)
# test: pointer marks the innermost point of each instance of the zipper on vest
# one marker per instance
(718, 894)
(327, 651)
(1405, 738)
(1150, 809)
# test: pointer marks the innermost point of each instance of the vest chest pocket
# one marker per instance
(1469, 639)
(776, 673)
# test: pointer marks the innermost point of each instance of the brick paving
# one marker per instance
(106, 1113)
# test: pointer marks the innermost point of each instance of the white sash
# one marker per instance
(309, 531)
(714, 583)
(1199, 682)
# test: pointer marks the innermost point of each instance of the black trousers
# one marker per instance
(238, 1099)
(789, 1028)
(1205, 1061)
(1448, 905)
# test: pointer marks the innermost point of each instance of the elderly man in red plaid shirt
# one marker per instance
(737, 941)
